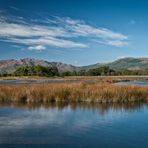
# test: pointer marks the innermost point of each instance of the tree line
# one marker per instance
(34, 71)
(53, 71)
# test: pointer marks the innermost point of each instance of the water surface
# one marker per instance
(72, 126)
(40, 81)
(133, 83)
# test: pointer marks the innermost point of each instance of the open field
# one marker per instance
(87, 89)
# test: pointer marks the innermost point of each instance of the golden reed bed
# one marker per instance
(80, 92)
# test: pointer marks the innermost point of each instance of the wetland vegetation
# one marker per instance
(83, 89)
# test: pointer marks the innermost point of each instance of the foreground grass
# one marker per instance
(80, 92)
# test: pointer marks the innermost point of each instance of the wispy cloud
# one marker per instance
(117, 43)
(82, 29)
(50, 41)
(58, 32)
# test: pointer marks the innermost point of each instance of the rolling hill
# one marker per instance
(124, 63)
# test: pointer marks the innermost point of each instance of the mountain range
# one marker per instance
(11, 65)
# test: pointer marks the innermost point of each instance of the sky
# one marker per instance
(77, 32)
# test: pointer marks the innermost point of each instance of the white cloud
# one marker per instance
(37, 48)
(60, 32)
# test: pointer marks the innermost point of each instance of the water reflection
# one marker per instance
(101, 107)
(74, 125)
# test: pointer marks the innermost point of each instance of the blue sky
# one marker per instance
(79, 32)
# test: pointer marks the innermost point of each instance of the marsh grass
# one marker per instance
(80, 92)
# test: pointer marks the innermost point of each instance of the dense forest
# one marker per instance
(53, 71)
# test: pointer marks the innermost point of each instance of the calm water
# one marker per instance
(133, 83)
(72, 126)
(46, 81)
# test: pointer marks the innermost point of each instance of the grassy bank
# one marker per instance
(80, 92)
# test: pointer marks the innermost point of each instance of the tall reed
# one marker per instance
(45, 93)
